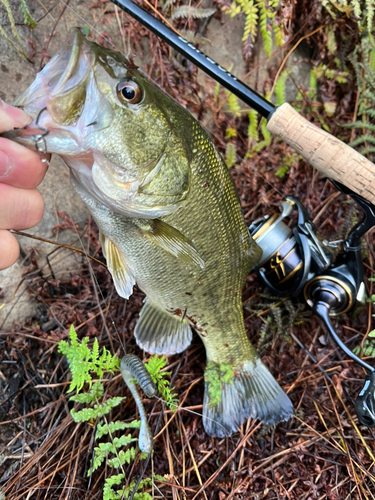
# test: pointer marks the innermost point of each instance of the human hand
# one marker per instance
(21, 205)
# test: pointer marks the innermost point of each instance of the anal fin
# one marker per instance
(160, 332)
(121, 274)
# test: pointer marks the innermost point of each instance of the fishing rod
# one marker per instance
(297, 260)
(326, 153)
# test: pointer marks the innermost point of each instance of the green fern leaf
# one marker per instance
(251, 21)
(252, 131)
(96, 412)
(112, 427)
(266, 34)
(154, 365)
(233, 103)
(27, 17)
(331, 41)
(230, 155)
(279, 35)
(280, 87)
(230, 132)
(96, 393)
(362, 139)
(123, 457)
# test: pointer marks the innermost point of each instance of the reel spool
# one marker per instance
(298, 261)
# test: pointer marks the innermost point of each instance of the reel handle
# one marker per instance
(327, 154)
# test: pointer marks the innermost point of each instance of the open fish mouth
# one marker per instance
(57, 85)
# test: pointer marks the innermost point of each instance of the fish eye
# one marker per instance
(129, 91)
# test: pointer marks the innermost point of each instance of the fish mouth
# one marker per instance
(67, 69)
(76, 40)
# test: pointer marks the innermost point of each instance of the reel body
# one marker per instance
(297, 261)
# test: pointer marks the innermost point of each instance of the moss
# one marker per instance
(215, 376)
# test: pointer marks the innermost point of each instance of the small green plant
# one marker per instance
(215, 376)
(155, 365)
(119, 450)
(28, 20)
(368, 346)
(260, 16)
(287, 163)
(363, 61)
(84, 360)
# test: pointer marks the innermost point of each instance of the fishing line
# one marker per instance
(96, 285)
(181, 408)
(87, 257)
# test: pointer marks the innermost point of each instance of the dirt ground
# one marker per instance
(322, 452)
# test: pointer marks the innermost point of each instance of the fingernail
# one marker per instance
(5, 165)
(18, 115)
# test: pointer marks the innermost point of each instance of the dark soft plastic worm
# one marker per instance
(134, 365)
(131, 368)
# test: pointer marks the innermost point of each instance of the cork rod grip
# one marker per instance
(327, 154)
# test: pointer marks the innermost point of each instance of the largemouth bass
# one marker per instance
(168, 214)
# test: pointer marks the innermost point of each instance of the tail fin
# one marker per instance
(250, 392)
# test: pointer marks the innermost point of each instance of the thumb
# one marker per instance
(11, 117)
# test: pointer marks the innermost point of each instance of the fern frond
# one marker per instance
(154, 367)
(266, 137)
(280, 87)
(288, 162)
(98, 411)
(217, 91)
(279, 35)
(96, 392)
(360, 125)
(367, 150)
(12, 22)
(357, 8)
(230, 132)
(102, 451)
(331, 41)
(230, 155)
(83, 360)
(123, 457)
(252, 131)
(263, 26)
(362, 139)
(187, 11)
(112, 427)
(27, 17)
(251, 21)
(233, 103)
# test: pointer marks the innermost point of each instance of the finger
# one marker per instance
(19, 166)
(20, 208)
(11, 117)
(9, 249)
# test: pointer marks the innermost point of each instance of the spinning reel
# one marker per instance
(298, 261)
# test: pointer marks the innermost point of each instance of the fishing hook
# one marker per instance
(40, 141)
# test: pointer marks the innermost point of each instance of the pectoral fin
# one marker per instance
(160, 332)
(171, 240)
(121, 274)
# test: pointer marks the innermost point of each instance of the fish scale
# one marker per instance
(169, 217)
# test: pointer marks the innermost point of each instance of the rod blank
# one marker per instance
(221, 75)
